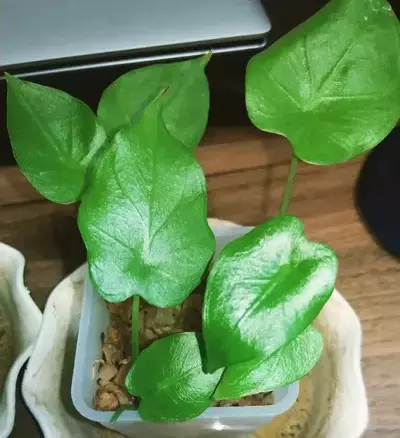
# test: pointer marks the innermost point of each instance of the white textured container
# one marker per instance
(332, 401)
(23, 321)
(234, 421)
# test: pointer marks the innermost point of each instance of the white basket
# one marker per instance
(25, 319)
(338, 408)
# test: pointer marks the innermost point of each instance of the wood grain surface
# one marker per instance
(246, 171)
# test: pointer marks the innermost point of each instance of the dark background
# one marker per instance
(225, 72)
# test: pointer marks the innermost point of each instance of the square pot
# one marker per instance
(215, 421)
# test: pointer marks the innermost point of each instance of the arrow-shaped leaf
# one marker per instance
(169, 378)
(144, 216)
(332, 85)
(54, 138)
(184, 108)
(288, 364)
(263, 291)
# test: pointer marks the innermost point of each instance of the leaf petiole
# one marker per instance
(135, 327)
(289, 185)
(120, 411)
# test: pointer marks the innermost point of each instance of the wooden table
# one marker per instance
(246, 171)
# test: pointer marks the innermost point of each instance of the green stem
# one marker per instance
(135, 327)
(289, 185)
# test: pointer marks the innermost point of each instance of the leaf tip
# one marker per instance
(130, 381)
(205, 59)
(163, 92)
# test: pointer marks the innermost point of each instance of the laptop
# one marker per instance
(47, 36)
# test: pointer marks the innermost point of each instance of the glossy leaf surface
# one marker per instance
(144, 216)
(332, 85)
(169, 378)
(184, 109)
(263, 291)
(288, 364)
(54, 138)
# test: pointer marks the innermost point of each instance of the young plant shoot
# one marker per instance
(331, 86)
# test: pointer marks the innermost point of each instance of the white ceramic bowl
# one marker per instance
(21, 318)
(336, 402)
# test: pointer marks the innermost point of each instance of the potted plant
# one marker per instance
(331, 86)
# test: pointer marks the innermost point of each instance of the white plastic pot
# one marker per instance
(336, 402)
(232, 420)
(21, 318)
(210, 423)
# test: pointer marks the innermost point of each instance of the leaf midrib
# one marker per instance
(275, 279)
(176, 380)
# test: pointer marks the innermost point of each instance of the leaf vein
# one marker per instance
(331, 72)
(124, 192)
(282, 87)
(169, 215)
(107, 234)
(307, 61)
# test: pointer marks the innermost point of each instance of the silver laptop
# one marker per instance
(39, 36)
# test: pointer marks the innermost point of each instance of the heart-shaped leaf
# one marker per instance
(169, 378)
(144, 216)
(263, 291)
(54, 138)
(185, 108)
(332, 85)
(288, 364)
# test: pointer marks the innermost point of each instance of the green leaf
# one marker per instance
(332, 85)
(288, 364)
(263, 291)
(144, 216)
(54, 138)
(169, 378)
(185, 108)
